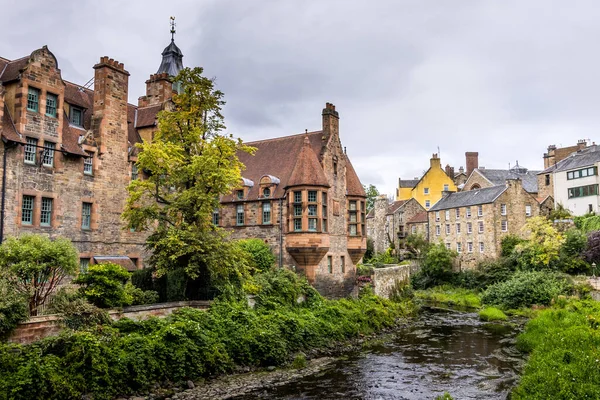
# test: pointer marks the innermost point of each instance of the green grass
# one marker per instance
(492, 314)
(563, 343)
(451, 296)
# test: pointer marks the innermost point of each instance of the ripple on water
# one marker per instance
(443, 350)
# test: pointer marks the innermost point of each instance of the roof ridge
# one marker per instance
(284, 137)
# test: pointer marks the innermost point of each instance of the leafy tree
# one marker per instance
(588, 223)
(436, 268)
(508, 244)
(372, 194)
(13, 307)
(560, 212)
(35, 266)
(261, 256)
(104, 285)
(571, 252)
(592, 251)
(190, 164)
(417, 244)
(542, 245)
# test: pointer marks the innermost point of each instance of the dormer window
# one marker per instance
(240, 194)
(266, 192)
(76, 117)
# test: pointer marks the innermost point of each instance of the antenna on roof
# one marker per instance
(172, 28)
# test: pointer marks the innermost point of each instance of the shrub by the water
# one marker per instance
(492, 314)
(526, 288)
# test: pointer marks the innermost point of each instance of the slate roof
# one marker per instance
(408, 183)
(469, 198)
(579, 159)
(353, 185)
(146, 116)
(12, 69)
(499, 177)
(172, 61)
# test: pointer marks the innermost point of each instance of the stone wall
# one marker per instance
(37, 328)
(377, 226)
(384, 279)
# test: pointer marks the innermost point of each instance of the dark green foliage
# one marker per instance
(142, 279)
(560, 213)
(128, 357)
(417, 245)
(592, 251)
(364, 270)
(587, 223)
(139, 296)
(570, 256)
(370, 250)
(13, 308)
(77, 313)
(527, 288)
(508, 244)
(104, 285)
(261, 256)
(436, 267)
(174, 285)
(563, 343)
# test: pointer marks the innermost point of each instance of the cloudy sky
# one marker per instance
(504, 78)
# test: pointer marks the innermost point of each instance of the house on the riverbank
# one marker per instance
(301, 195)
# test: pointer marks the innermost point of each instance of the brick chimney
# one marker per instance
(450, 171)
(435, 162)
(331, 122)
(581, 144)
(159, 89)
(109, 118)
(472, 161)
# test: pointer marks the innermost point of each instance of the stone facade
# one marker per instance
(475, 228)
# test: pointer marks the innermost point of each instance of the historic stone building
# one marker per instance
(68, 152)
(389, 223)
(474, 222)
(301, 195)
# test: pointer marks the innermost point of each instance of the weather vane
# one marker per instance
(172, 28)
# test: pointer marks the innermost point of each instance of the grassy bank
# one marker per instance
(128, 357)
(451, 296)
(564, 347)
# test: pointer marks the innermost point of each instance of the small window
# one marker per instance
(547, 179)
(312, 196)
(469, 227)
(84, 264)
(480, 226)
(76, 117)
(480, 211)
(297, 224)
(448, 246)
(459, 247)
(324, 223)
(215, 217)
(426, 190)
(447, 215)
(330, 264)
(86, 215)
(312, 210)
(502, 209)
(33, 99)
(504, 225)
(343, 263)
(481, 247)
(469, 247)
(437, 230)
(427, 204)
(297, 210)
(240, 194)
(458, 213)
(88, 164)
(335, 168)
(353, 231)
(353, 205)
(30, 150)
(51, 104)
(590, 208)
(413, 229)
(446, 187)
(48, 154)
(27, 210)
(457, 229)
(240, 215)
(266, 213)
(447, 229)
(134, 172)
(528, 211)
(312, 224)
(468, 212)
(46, 214)
(266, 192)
(437, 216)
(297, 197)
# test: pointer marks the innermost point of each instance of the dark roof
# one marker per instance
(469, 198)
(146, 116)
(8, 129)
(307, 170)
(499, 177)
(353, 185)
(579, 159)
(418, 218)
(12, 69)
(70, 138)
(408, 183)
(123, 261)
(392, 208)
(172, 61)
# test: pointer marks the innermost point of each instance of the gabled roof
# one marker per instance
(8, 130)
(353, 185)
(146, 116)
(579, 159)
(408, 183)
(12, 69)
(499, 177)
(418, 218)
(307, 170)
(469, 198)
(70, 138)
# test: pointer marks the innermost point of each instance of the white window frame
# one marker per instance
(469, 247)
(481, 247)
(438, 230)
(528, 211)
(88, 164)
(427, 204)
(426, 190)
(447, 215)
(49, 149)
(459, 247)
(481, 228)
(437, 216)
(480, 211)
(239, 215)
(504, 225)
(30, 155)
(502, 209)
(446, 187)
(469, 227)
(458, 228)
(468, 212)
(46, 211)
(266, 213)
(447, 229)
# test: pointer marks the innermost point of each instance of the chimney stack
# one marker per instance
(581, 144)
(159, 89)
(450, 171)
(435, 161)
(472, 161)
(331, 122)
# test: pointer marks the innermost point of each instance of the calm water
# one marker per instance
(443, 351)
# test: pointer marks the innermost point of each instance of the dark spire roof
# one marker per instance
(172, 57)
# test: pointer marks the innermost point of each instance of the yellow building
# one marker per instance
(427, 190)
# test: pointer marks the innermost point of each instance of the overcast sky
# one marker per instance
(504, 78)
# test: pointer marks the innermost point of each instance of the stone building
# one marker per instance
(392, 222)
(474, 222)
(301, 195)
(68, 152)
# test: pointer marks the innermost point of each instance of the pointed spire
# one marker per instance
(172, 29)
(172, 57)
(308, 170)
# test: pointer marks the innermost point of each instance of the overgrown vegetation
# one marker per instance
(260, 254)
(104, 285)
(127, 357)
(448, 295)
(436, 267)
(492, 314)
(564, 344)
(13, 308)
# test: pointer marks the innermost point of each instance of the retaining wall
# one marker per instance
(384, 279)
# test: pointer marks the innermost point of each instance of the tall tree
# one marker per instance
(190, 163)
(372, 194)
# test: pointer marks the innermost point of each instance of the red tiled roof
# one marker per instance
(353, 185)
(8, 129)
(419, 218)
(146, 116)
(12, 69)
(70, 138)
(123, 261)
(392, 208)
(307, 170)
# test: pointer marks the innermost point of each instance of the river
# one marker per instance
(443, 350)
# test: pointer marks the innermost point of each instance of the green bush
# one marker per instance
(508, 244)
(436, 267)
(104, 285)
(364, 270)
(450, 296)
(492, 314)
(77, 313)
(570, 256)
(260, 254)
(527, 288)
(139, 296)
(13, 308)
